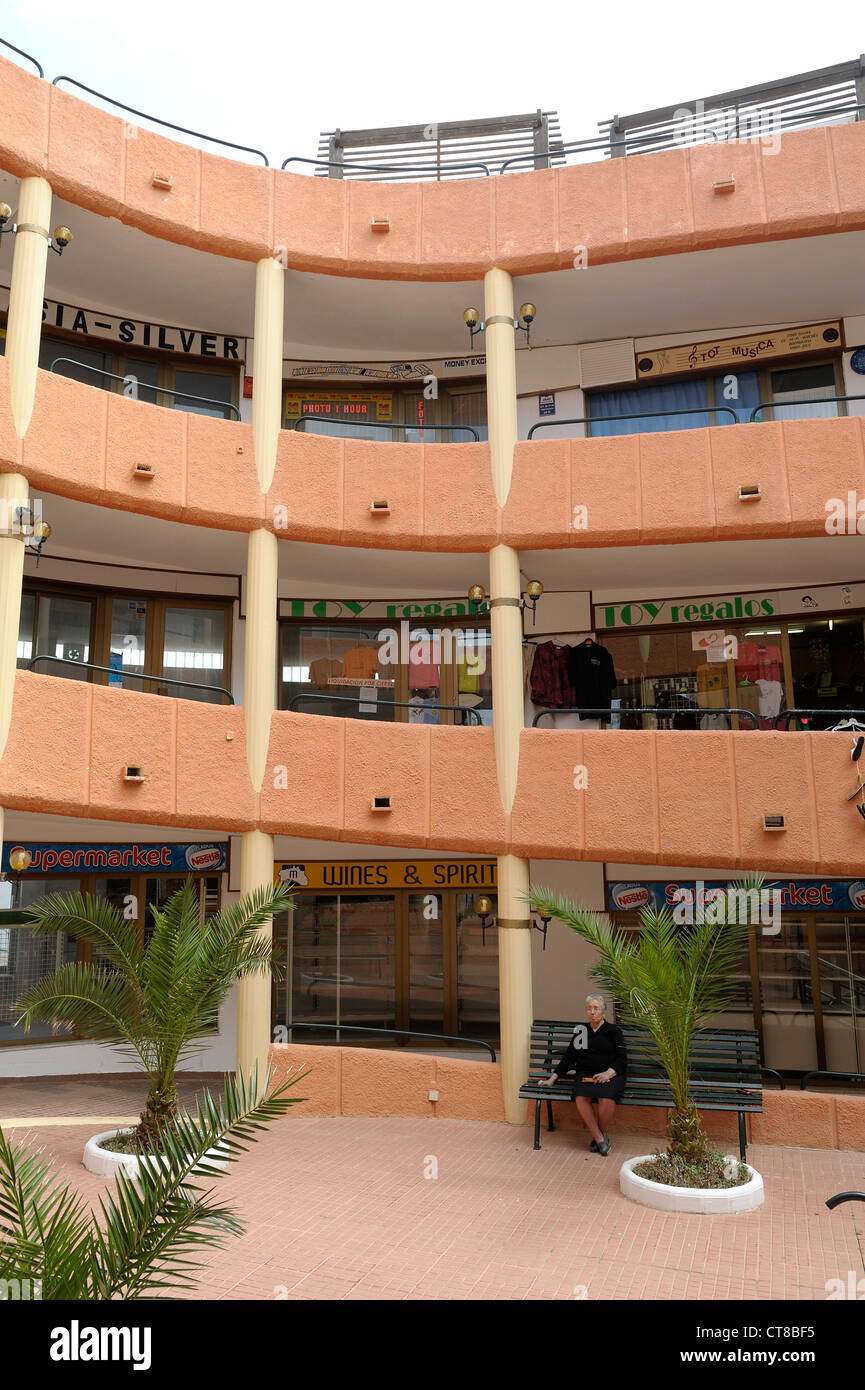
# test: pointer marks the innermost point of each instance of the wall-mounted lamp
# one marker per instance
(533, 591)
(483, 908)
(528, 314)
(59, 242)
(34, 533)
(542, 928)
(20, 860)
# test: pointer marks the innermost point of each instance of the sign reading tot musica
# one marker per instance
(738, 352)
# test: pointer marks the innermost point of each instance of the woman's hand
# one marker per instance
(601, 1076)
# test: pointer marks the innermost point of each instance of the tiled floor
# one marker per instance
(345, 1209)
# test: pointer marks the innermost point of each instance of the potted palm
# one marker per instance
(672, 977)
(144, 1240)
(157, 1002)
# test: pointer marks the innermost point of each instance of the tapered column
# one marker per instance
(514, 923)
(26, 293)
(13, 494)
(256, 852)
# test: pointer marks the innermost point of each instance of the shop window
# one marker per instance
(841, 964)
(667, 671)
(193, 650)
(217, 391)
(26, 958)
(342, 671)
(468, 408)
(828, 667)
(26, 620)
(812, 385)
(477, 970)
(128, 643)
(642, 404)
(87, 365)
(62, 629)
(758, 672)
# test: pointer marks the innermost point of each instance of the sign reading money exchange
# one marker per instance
(119, 859)
(796, 894)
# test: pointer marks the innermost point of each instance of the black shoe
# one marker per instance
(593, 1147)
(604, 1146)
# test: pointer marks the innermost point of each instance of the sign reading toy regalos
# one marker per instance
(682, 612)
(119, 859)
(826, 894)
(388, 873)
(93, 323)
(738, 352)
(375, 609)
(727, 608)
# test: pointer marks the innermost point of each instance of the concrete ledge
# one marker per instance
(367, 1081)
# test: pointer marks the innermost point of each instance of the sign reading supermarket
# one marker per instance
(119, 859)
(796, 894)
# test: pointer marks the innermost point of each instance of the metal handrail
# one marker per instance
(395, 1032)
(841, 713)
(388, 704)
(38, 66)
(789, 405)
(145, 385)
(772, 1072)
(373, 425)
(666, 710)
(381, 168)
(133, 676)
(594, 142)
(157, 120)
(647, 415)
(833, 1202)
(833, 1076)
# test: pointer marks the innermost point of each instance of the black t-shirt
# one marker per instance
(592, 675)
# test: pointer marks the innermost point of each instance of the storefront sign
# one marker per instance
(388, 873)
(119, 859)
(857, 361)
(353, 406)
(797, 894)
(738, 352)
(375, 609)
(92, 323)
(383, 371)
(726, 608)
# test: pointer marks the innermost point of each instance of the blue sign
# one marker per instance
(857, 361)
(547, 403)
(118, 859)
(797, 894)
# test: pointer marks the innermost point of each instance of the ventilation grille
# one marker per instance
(607, 364)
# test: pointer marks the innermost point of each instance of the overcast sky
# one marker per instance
(273, 76)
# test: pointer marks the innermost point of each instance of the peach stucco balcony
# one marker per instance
(651, 205)
(648, 489)
(650, 797)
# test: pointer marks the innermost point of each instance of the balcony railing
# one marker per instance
(371, 425)
(132, 380)
(615, 716)
(119, 675)
(753, 417)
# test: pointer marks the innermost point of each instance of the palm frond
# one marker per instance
(90, 918)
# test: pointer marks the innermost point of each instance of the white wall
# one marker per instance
(560, 974)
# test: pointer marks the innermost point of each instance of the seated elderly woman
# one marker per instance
(600, 1071)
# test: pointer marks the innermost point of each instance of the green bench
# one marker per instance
(726, 1072)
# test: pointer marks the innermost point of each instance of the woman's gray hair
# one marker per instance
(599, 998)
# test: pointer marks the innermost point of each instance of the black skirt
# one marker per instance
(605, 1090)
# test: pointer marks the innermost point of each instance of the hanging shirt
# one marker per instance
(321, 669)
(424, 665)
(592, 675)
(550, 683)
(360, 663)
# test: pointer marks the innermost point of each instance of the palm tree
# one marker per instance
(157, 1002)
(672, 980)
(144, 1239)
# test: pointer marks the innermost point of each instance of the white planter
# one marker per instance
(702, 1199)
(106, 1162)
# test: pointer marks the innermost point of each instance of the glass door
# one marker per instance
(841, 963)
(426, 963)
(786, 996)
(477, 969)
(194, 650)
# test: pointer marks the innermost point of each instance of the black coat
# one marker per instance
(604, 1048)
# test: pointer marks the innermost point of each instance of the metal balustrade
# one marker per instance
(130, 675)
(372, 425)
(385, 704)
(664, 711)
(145, 386)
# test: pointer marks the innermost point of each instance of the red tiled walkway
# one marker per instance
(340, 1208)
